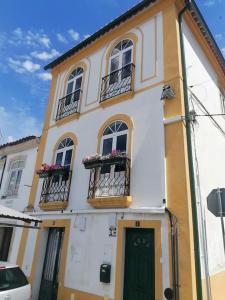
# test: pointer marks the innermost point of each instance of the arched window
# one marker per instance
(64, 152)
(15, 174)
(115, 138)
(121, 58)
(73, 89)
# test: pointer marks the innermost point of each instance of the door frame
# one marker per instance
(65, 223)
(120, 254)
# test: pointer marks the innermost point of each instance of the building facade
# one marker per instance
(17, 162)
(117, 213)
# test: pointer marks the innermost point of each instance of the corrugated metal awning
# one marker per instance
(8, 213)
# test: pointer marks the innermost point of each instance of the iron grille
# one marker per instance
(56, 188)
(68, 105)
(116, 83)
(110, 180)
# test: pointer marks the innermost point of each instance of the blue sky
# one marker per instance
(33, 33)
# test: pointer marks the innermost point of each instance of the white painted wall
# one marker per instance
(20, 201)
(210, 143)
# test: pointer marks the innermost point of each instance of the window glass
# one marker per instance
(121, 143)
(114, 64)
(59, 157)
(12, 278)
(78, 83)
(69, 88)
(107, 146)
(68, 157)
(126, 58)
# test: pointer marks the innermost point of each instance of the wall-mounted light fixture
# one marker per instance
(168, 92)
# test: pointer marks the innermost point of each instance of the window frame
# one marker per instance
(13, 192)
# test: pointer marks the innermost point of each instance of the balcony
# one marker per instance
(109, 184)
(55, 191)
(68, 105)
(117, 83)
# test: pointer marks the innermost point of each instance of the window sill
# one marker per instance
(117, 99)
(53, 205)
(67, 119)
(111, 202)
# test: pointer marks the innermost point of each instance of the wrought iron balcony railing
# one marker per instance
(68, 105)
(56, 188)
(118, 82)
(110, 179)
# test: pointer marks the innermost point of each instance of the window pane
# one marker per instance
(18, 178)
(12, 278)
(59, 156)
(78, 83)
(126, 58)
(121, 143)
(107, 146)
(126, 44)
(122, 127)
(114, 64)
(69, 88)
(68, 157)
(12, 180)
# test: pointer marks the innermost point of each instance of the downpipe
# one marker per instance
(187, 6)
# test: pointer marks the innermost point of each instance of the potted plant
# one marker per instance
(91, 162)
(115, 157)
(49, 170)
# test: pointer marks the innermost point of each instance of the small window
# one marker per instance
(64, 152)
(15, 174)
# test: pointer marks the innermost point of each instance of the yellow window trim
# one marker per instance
(119, 117)
(111, 202)
(53, 205)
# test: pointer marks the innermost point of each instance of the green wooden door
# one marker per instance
(139, 271)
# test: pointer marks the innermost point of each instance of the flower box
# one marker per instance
(92, 163)
(47, 171)
(114, 160)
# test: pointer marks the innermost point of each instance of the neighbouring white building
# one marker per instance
(17, 165)
(117, 195)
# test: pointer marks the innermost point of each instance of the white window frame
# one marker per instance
(120, 55)
(63, 151)
(13, 192)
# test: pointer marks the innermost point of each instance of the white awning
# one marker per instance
(8, 213)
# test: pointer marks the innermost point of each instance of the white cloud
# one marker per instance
(45, 41)
(23, 66)
(209, 3)
(44, 55)
(218, 36)
(74, 34)
(61, 38)
(29, 38)
(223, 51)
(10, 139)
(45, 76)
(18, 32)
(25, 124)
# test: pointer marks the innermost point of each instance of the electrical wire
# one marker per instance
(206, 112)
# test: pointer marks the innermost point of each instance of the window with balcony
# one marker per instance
(110, 174)
(121, 71)
(56, 184)
(15, 174)
(69, 104)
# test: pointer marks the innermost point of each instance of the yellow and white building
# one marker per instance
(123, 89)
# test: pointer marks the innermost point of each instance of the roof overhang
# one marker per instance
(11, 214)
(195, 15)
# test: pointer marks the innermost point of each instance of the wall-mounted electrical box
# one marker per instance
(105, 272)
